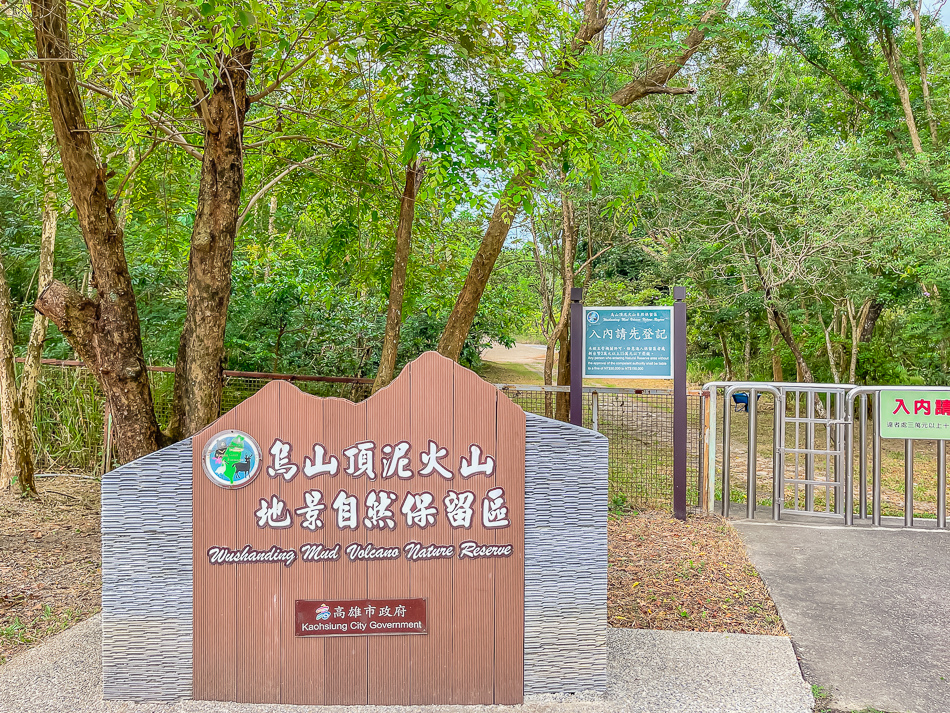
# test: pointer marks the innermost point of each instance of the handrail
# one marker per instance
(227, 372)
(592, 389)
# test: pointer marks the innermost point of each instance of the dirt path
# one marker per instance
(530, 357)
(50, 566)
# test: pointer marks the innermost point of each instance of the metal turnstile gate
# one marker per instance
(808, 453)
(811, 448)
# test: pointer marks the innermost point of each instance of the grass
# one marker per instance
(823, 702)
(509, 373)
(69, 421)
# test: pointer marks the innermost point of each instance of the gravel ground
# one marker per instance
(649, 672)
(684, 576)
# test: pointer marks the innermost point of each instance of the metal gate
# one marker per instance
(812, 449)
(819, 434)
(808, 446)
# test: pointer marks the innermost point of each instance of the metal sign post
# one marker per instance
(577, 355)
(679, 403)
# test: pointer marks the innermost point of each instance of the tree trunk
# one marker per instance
(17, 464)
(778, 373)
(829, 349)
(562, 411)
(199, 367)
(892, 55)
(466, 305)
(104, 331)
(547, 309)
(747, 349)
(725, 356)
(785, 329)
(125, 203)
(652, 82)
(34, 349)
(924, 84)
(549, 357)
(397, 285)
(857, 328)
(874, 313)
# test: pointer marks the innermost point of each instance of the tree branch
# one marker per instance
(75, 315)
(156, 121)
(202, 93)
(671, 90)
(284, 77)
(309, 139)
(657, 77)
(830, 76)
(595, 20)
(591, 259)
(270, 184)
(133, 169)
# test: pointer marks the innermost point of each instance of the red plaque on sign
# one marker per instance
(359, 617)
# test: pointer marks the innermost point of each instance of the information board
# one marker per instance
(911, 413)
(628, 342)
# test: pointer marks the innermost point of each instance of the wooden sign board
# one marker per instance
(403, 514)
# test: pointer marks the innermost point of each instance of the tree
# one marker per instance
(407, 211)
(17, 465)
(209, 77)
(789, 220)
(575, 125)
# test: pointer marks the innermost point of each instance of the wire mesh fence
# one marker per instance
(71, 425)
(68, 421)
(638, 424)
(71, 417)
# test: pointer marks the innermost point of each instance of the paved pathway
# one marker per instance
(868, 609)
(649, 672)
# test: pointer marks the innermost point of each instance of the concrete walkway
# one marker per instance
(868, 609)
(649, 672)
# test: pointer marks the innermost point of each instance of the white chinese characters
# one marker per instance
(376, 503)
(273, 513)
(458, 508)
(317, 465)
(494, 509)
(475, 466)
(280, 461)
(311, 511)
(418, 510)
(378, 512)
(394, 461)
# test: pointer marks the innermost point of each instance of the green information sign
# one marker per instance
(915, 414)
(628, 342)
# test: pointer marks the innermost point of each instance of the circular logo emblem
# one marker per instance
(231, 459)
(593, 317)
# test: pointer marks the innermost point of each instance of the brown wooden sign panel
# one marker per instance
(359, 617)
(415, 494)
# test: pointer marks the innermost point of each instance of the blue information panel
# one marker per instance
(628, 342)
